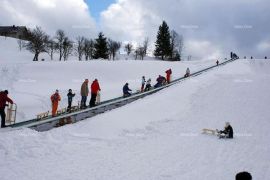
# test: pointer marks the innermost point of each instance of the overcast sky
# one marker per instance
(211, 28)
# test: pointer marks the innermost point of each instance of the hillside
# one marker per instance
(157, 137)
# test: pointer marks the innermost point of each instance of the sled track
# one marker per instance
(52, 122)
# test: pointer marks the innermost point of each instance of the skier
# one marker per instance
(126, 90)
(227, 132)
(55, 98)
(84, 93)
(148, 85)
(70, 96)
(217, 62)
(94, 90)
(3, 100)
(143, 83)
(168, 75)
(187, 73)
(243, 176)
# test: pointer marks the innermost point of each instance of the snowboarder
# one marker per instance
(55, 98)
(126, 90)
(227, 132)
(70, 96)
(94, 90)
(265, 57)
(143, 83)
(217, 62)
(148, 85)
(3, 100)
(84, 93)
(168, 75)
(243, 176)
(187, 73)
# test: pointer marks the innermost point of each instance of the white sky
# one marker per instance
(210, 28)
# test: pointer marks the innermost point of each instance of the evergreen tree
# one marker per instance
(101, 47)
(163, 44)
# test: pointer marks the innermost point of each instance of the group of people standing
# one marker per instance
(95, 88)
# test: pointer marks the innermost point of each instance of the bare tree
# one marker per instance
(67, 48)
(113, 46)
(20, 44)
(79, 50)
(145, 47)
(89, 49)
(51, 48)
(60, 37)
(140, 52)
(177, 45)
(38, 42)
(128, 48)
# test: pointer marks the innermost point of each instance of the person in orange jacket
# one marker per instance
(55, 98)
(94, 90)
(168, 75)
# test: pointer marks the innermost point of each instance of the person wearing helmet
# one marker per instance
(3, 100)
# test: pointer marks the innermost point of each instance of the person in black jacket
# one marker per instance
(126, 90)
(227, 132)
(70, 96)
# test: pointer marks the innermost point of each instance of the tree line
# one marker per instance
(168, 45)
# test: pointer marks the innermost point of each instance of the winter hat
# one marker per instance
(6, 91)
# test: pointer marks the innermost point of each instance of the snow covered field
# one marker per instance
(155, 138)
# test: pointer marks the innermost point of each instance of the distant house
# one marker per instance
(18, 32)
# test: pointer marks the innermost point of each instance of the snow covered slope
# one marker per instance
(158, 137)
(32, 83)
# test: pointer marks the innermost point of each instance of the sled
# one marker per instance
(98, 98)
(43, 115)
(209, 131)
(61, 111)
(11, 114)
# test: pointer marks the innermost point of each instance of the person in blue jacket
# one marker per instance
(126, 90)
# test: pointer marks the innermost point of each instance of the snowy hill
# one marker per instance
(32, 83)
(155, 138)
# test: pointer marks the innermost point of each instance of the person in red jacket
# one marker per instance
(168, 75)
(94, 90)
(3, 100)
(55, 98)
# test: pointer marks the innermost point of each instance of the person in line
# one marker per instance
(143, 83)
(55, 98)
(187, 73)
(94, 90)
(227, 132)
(84, 93)
(243, 176)
(160, 81)
(168, 75)
(126, 90)
(3, 100)
(70, 96)
(148, 85)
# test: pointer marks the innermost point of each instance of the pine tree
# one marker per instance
(101, 47)
(163, 44)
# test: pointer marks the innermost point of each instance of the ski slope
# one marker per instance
(157, 137)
